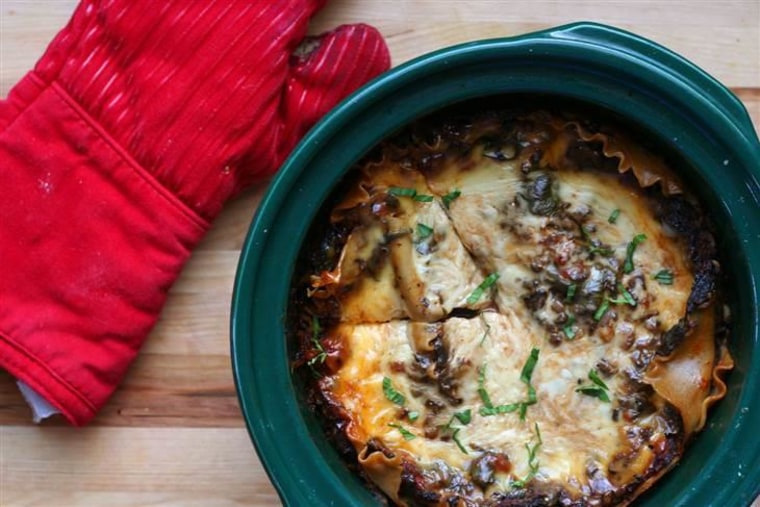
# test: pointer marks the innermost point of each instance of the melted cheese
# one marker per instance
(422, 271)
(491, 202)
(561, 290)
(603, 194)
(574, 428)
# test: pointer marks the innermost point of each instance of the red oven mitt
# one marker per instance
(141, 119)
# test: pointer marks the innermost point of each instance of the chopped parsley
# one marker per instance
(489, 408)
(408, 435)
(464, 417)
(391, 394)
(315, 327)
(529, 366)
(628, 264)
(614, 216)
(409, 192)
(532, 460)
(594, 392)
(594, 245)
(594, 377)
(455, 438)
(525, 377)
(601, 250)
(569, 328)
(413, 415)
(625, 297)
(664, 277)
(321, 353)
(571, 289)
(424, 231)
(402, 192)
(597, 389)
(482, 392)
(450, 197)
(487, 331)
(599, 313)
(499, 409)
(480, 289)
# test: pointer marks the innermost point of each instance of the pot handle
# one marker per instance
(664, 59)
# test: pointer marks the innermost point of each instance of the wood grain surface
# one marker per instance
(173, 435)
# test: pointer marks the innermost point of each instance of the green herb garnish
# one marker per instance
(409, 192)
(482, 388)
(489, 408)
(316, 328)
(480, 289)
(601, 250)
(408, 435)
(529, 366)
(487, 331)
(499, 409)
(571, 289)
(450, 197)
(625, 297)
(402, 191)
(530, 401)
(321, 353)
(597, 390)
(568, 328)
(664, 277)
(391, 394)
(464, 416)
(628, 264)
(455, 438)
(413, 415)
(424, 231)
(525, 376)
(532, 460)
(594, 377)
(594, 245)
(614, 216)
(599, 313)
(594, 392)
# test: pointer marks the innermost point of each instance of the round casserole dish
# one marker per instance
(679, 107)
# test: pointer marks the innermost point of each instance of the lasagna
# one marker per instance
(511, 308)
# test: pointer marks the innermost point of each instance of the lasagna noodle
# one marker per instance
(384, 471)
(388, 270)
(689, 378)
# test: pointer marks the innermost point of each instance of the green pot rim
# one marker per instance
(679, 104)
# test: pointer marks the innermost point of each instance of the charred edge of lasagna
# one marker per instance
(331, 415)
(685, 218)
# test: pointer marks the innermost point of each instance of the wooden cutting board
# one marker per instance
(172, 435)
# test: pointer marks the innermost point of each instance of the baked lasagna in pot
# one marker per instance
(511, 308)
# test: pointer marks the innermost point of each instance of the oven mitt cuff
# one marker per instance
(92, 243)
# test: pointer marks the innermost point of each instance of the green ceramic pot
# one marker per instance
(679, 106)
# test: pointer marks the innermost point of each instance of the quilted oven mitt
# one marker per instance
(116, 152)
